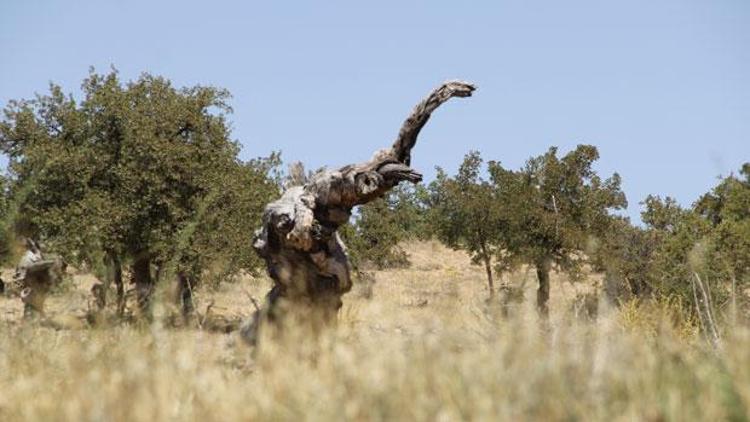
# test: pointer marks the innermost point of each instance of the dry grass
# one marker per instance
(426, 346)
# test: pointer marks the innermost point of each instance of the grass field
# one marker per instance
(421, 343)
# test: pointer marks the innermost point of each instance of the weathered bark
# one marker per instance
(36, 274)
(298, 238)
(543, 267)
(37, 283)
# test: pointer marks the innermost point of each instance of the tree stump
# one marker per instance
(298, 238)
(38, 279)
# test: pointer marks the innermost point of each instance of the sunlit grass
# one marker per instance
(427, 346)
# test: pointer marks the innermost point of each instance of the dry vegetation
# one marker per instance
(425, 346)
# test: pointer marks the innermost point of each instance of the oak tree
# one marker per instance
(554, 206)
(133, 173)
(467, 215)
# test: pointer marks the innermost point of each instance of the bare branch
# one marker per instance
(715, 339)
(407, 136)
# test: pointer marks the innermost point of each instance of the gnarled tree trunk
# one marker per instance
(298, 239)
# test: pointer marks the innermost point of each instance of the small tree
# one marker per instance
(709, 241)
(727, 209)
(626, 256)
(466, 214)
(554, 206)
(411, 206)
(374, 235)
(675, 232)
(377, 228)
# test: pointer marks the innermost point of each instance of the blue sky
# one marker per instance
(661, 87)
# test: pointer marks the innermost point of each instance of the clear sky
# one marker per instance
(661, 87)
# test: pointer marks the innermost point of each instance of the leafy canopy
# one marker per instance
(138, 169)
(555, 206)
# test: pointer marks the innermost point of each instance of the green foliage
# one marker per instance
(556, 205)
(626, 256)
(677, 233)
(221, 242)
(5, 238)
(543, 214)
(410, 203)
(141, 169)
(711, 240)
(380, 226)
(373, 238)
(727, 209)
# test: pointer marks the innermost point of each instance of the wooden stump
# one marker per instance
(39, 278)
(298, 238)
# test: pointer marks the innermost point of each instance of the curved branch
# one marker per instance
(407, 136)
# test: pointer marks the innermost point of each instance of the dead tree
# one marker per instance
(298, 239)
(37, 274)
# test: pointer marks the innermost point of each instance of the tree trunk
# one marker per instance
(490, 282)
(144, 284)
(117, 278)
(298, 238)
(114, 274)
(542, 294)
(34, 294)
(185, 285)
(39, 277)
(100, 291)
(159, 267)
(488, 268)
